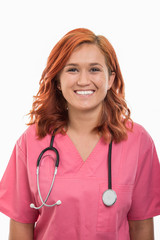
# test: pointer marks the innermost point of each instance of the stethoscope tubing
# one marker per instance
(47, 149)
(55, 172)
(109, 197)
(109, 166)
(39, 191)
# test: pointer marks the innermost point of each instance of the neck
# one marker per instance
(83, 122)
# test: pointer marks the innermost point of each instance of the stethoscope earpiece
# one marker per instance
(32, 205)
(59, 202)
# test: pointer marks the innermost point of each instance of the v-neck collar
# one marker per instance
(75, 150)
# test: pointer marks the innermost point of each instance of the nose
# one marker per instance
(83, 79)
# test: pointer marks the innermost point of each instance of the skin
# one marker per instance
(19, 231)
(85, 70)
(141, 229)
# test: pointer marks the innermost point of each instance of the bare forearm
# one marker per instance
(19, 231)
(141, 230)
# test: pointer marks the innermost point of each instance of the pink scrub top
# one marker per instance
(80, 185)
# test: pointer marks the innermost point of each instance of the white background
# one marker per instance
(30, 29)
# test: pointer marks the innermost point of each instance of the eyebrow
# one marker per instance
(75, 64)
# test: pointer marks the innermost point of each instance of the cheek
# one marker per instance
(102, 84)
(67, 82)
(66, 89)
(101, 79)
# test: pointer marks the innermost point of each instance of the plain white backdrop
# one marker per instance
(30, 29)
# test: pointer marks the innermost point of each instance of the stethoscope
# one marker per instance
(109, 197)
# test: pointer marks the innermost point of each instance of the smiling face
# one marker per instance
(84, 80)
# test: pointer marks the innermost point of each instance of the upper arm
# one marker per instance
(145, 202)
(142, 229)
(19, 231)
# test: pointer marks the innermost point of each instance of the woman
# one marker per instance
(81, 102)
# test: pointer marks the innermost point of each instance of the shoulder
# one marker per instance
(30, 132)
(29, 136)
(140, 136)
(138, 130)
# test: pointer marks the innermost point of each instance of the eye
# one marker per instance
(72, 70)
(94, 69)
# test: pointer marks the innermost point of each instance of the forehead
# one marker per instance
(87, 53)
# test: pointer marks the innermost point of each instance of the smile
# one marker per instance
(89, 92)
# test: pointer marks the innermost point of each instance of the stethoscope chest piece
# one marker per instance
(109, 197)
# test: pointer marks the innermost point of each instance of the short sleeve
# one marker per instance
(15, 195)
(146, 193)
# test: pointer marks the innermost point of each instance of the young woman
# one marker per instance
(107, 183)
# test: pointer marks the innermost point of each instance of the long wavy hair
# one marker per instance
(49, 111)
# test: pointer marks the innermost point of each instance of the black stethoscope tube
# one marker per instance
(47, 149)
(109, 166)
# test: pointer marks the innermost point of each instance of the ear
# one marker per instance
(59, 86)
(111, 80)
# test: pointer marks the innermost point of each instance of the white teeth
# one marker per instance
(84, 92)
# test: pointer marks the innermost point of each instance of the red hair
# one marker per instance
(49, 107)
